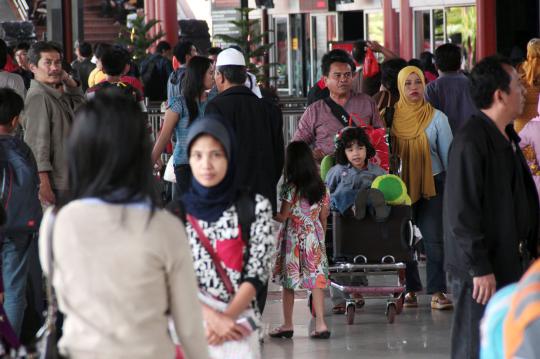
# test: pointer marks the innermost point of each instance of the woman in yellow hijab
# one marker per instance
(421, 138)
(529, 72)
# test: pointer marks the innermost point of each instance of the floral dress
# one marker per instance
(301, 255)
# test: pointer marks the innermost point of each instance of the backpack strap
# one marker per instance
(245, 207)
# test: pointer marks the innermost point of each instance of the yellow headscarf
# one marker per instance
(410, 140)
(530, 69)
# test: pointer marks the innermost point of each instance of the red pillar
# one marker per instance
(391, 31)
(149, 11)
(406, 30)
(169, 21)
(67, 29)
(486, 34)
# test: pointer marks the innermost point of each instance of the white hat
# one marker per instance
(230, 57)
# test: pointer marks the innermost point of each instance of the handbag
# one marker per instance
(47, 336)
(247, 347)
(377, 136)
(208, 247)
(169, 175)
(371, 66)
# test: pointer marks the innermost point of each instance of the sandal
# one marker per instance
(339, 309)
(320, 335)
(411, 300)
(440, 301)
(279, 333)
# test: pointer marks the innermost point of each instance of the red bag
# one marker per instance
(371, 66)
(378, 139)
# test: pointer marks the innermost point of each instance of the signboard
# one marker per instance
(223, 12)
(225, 4)
(317, 5)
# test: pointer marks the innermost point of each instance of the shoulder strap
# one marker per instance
(217, 263)
(245, 207)
(338, 111)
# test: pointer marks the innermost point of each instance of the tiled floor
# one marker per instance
(416, 333)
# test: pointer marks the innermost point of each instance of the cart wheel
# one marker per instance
(399, 303)
(391, 312)
(350, 314)
(310, 306)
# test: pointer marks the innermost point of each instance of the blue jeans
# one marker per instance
(427, 214)
(14, 274)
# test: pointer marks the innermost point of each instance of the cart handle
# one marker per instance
(384, 259)
(361, 257)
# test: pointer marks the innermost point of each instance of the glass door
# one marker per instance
(323, 31)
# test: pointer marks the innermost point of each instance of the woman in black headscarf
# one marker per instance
(231, 262)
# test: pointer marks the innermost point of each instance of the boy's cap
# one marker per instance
(230, 57)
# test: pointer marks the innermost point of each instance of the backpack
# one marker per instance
(521, 326)
(491, 327)
(19, 188)
(125, 88)
(512, 316)
(245, 207)
(154, 79)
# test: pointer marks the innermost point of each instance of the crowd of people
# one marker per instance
(131, 272)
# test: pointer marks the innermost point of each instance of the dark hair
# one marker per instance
(11, 105)
(100, 49)
(162, 46)
(3, 53)
(214, 51)
(416, 63)
(448, 57)
(182, 49)
(426, 59)
(488, 76)
(85, 49)
(336, 55)
(22, 46)
(235, 74)
(114, 60)
(348, 138)
(34, 54)
(193, 83)
(301, 171)
(389, 74)
(359, 51)
(97, 166)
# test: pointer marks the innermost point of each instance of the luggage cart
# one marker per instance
(372, 249)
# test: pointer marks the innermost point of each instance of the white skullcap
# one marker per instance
(230, 57)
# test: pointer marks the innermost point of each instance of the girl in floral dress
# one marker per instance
(301, 256)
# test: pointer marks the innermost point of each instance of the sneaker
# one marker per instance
(360, 204)
(381, 210)
(411, 300)
(440, 301)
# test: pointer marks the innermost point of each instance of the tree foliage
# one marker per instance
(139, 38)
(249, 39)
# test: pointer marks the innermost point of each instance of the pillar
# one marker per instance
(486, 32)
(391, 31)
(149, 12)
(169, 21)
(406, 30)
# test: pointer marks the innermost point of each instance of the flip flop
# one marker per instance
(277, 333)
(320, 335)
